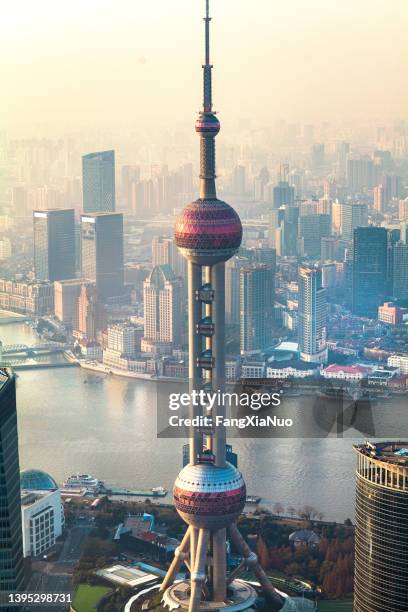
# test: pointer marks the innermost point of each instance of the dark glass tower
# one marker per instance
(11, 546)
(256, 307)
(54, 244)
(381, 567)
(102, 252)
(98, 182)
(370, 251)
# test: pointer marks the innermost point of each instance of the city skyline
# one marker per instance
(153, 293)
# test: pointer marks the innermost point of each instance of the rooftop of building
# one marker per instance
(395, 453)
(127, 576)
(296, 364)
(28, 498)
(351, 369)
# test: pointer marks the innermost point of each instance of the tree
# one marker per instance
(278, 508)
(263, 554)
(291, 511)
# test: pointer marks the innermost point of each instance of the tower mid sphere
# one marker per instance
(208, 231)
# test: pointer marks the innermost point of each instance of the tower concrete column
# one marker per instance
(194, 349)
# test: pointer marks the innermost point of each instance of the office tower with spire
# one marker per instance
(98, 182)
(209, 492)
(312, 316)
(11, 542)
(54, 244)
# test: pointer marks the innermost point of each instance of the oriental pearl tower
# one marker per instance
(209, 493)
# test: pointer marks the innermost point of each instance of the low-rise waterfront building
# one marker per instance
(27, 297)
(42, 520)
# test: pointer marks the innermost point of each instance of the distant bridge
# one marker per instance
(39, 349)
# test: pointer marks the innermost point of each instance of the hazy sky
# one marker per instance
(99, 63)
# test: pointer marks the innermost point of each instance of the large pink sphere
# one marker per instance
(207, 124)
(208, 231)
(209, 497)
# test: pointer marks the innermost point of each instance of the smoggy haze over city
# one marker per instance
(104, 65)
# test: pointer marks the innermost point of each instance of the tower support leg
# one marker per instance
(220, 565)
(252, 562)
(198, 575)
(180, 555)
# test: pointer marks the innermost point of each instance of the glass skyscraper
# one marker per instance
(102, 252)
(381, 575)
(54, 244)
(98, 182)
(370, 270)
(256, 307)
(11, 546)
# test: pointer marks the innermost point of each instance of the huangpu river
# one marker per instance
(71, 420)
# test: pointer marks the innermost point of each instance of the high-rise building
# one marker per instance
(11, 549)
(400, 271)
(360, 173)
(66, 296)
(379, 194)
(312, 228)
(352, 216)
(123, 338)
(129, 175)
(332, 249)
(256, 307)
(162, 311)
(91, 312)
(283, 194)
(20, 201)
(102, 253)
(317, 155)
(232, 282)
(403, 210)
(165, 252)
(381, 527)
(54, 244)
(312, 316)
(370, 270)
(239, 181)
(209, 492)
(98, 182)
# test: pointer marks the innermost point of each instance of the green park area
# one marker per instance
(86, 597)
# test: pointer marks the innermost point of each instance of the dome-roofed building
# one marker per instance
(37, 480)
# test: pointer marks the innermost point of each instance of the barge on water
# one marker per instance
(153, 492)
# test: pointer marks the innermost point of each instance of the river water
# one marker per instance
(73, 421)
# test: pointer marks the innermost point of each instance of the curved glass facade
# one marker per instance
(36, 480)
(381, 564)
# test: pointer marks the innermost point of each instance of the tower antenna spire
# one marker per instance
(207, 67)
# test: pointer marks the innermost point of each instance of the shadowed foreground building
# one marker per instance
(381, 565)
(11, 543)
